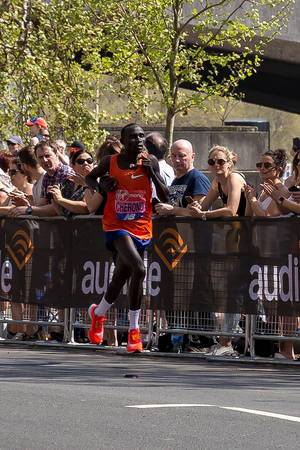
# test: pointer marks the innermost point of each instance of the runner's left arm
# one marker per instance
(152, 166)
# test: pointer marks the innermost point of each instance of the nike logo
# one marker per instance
(133, 177)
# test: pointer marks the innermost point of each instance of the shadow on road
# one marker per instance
(43, 366)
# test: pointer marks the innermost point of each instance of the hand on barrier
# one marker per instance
(164, 209)
(17, 211)
(18, 198)
(195, 209)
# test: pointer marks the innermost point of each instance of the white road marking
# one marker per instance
(231, 408)
(169, 405)
(263, 413)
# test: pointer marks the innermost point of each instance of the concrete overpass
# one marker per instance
(277, 82)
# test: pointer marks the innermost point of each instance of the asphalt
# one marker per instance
(56, 398)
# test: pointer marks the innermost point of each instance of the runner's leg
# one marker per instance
(132, 260)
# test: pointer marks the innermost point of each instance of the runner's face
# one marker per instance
(134, 140)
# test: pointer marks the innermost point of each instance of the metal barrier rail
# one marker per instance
(254, 327)
(33, 315)
(273, 328)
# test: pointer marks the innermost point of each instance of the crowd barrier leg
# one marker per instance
(71, 325)
(252, 332)
(66, 335)
(150, 329)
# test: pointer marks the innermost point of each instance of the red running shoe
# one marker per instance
(134, 343)
(97, 326)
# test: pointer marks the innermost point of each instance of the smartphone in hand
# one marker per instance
(294, 189)
(189, 199)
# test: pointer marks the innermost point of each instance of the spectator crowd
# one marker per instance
(46, 177)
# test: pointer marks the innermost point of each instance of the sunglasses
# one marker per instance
(13, 172)
(82, 161)
(266, 165)
(220, 162)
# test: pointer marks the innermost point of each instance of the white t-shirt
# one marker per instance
(37, 190)
(166, 172)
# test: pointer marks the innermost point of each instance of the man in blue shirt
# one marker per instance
(189, 182)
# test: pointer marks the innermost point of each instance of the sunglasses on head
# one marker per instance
(212, 162)
(266, 165)
(82, 161)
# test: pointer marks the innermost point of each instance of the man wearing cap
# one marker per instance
(14, 143)
(38, 126)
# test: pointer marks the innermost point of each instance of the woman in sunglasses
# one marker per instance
(289, 198)
(227, 185)
(80, 202)
(271, 168)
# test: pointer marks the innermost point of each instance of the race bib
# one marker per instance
(130, 205)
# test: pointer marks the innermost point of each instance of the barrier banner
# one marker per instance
(228, 265)
(35, 261)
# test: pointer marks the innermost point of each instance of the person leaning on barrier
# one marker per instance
(227, 185)
(189, 182)
(34, 171)
(230, 187)
(56, 174)
(79, 202)
(289, 198)
(5, 158)
(6, 186)
(271, 168)
(293, 181)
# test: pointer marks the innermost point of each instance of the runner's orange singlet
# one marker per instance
(129, 206)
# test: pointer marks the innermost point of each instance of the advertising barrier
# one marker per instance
(225, 265)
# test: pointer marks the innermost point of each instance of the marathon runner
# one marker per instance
(127, 223)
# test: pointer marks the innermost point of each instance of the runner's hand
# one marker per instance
(108, 183)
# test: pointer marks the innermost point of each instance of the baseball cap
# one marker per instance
(37, 121)
(14, 140)
(78, 145)
(296, 144)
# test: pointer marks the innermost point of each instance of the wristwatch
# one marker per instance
(281, 199)
(28, 211)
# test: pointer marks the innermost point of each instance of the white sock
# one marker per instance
(134, 316)
(102, 308)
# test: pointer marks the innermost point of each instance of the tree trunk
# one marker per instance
(170, 122)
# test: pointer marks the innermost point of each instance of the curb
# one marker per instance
(121, 351)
